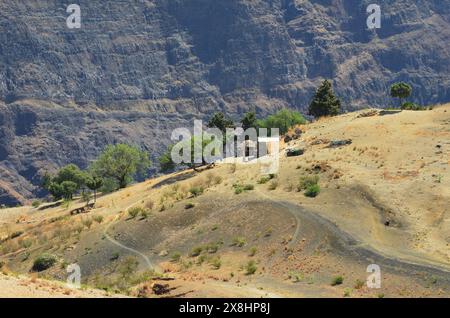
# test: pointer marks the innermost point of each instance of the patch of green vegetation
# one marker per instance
(36, 203)
(238, 241)
(359, 284)
(189, 205)
(115, 256)
(43, 262)
(252, 251)
(249, 187)
(312, 191)
(296, 277)
(347, 292)
(134, 211)
(250, 268)
(196, 191)
(98, 218)
(196, 251)
(175, 257)
(215, 262)
(307, 181)
(337, 280)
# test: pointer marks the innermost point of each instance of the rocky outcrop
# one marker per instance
(140, 64)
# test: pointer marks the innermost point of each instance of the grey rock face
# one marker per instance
(134, 65)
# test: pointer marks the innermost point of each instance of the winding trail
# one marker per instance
(149, 263)
(344, 244)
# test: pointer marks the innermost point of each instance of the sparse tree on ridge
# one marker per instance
(401, 91)
(324, 102)
(122, 163)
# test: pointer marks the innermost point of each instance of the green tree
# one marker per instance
(94, 183)
(221, 122)
(165, 160)
(249, 120)
(121, 163)
(324, 102)
(401, 91)
(68, 189)
(71, 173)
(283, 119)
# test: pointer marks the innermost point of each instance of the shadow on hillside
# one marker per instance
(174, 179)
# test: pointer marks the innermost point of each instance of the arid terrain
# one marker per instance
(385, 192)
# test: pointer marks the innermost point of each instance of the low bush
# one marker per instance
(238, 241)
(43, 262)
(251, 268)
(196, 191)
(175, 257)
(307, 181)
(189, 205)
(98, 218)
(312, 191)
(134, 212)
(215, 262)
(338, 280)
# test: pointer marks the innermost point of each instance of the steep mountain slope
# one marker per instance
(192, 57)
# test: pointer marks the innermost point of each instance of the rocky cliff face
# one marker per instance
(137, 69)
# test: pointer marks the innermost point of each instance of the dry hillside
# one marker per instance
(384, 199)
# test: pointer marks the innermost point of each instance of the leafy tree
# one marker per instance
(121, 163)
(68, 189)
(55, 189)
(66, 183)
(401, 91)
(283, 119)
(221, 122)
(249, 120)
(165, 161)
(324, 102)
(94, 183)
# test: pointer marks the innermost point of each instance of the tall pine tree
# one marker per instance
(325, 103)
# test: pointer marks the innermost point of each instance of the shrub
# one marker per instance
(43, 262)
(238, 241)
(359, 284)
(26, 243)
(98, 218)
(238, 189)
(253, 251)
(347, 292)
(307, 181)
(196, 191)
(215, 262)
(212, 248)
(36, 203)
(189, 205)
(251, 268)
(133, 212)
(144, 214)
(175, 257)
(412, 106)
(196, 251)
(249, 187)
(264, 180)
(87, 222)
(128, 266)
(115, 256)
(338, 280)
(312, 191)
